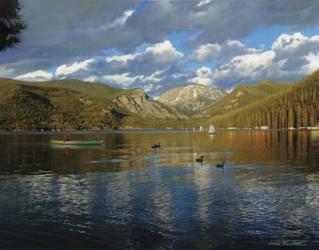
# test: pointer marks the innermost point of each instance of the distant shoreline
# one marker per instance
(150, 130)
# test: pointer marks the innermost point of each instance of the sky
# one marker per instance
(160, 44)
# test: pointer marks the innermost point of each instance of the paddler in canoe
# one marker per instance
(68, 141)
(67, 137)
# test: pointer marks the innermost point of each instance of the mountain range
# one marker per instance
(74, 104)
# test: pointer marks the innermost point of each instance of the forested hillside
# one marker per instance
(243, 95)
(27, 108)
(296, 107)
(74, 104)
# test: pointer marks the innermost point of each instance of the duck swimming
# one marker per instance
(201, 159)
(156, 146)
(220, 165)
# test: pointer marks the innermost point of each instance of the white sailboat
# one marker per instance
(211, 129)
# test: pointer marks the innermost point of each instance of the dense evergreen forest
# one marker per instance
(296, 107)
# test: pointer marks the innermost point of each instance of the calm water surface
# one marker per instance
(125, 195)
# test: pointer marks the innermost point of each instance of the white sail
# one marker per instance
(211, 129)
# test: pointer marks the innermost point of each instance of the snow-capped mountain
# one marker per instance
(192, 98)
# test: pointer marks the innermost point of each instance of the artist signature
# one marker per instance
(288, 243)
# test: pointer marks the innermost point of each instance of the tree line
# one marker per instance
(296, 107)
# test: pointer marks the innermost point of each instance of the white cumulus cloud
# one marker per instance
(244, 67)
(122, 79)
(226, 50)
(124, 59)
(294, 45)
(91, 79)
(126, 79)
(35, 76)
(207, 51)
(65, 70)
(155, 77)
(312, 65)
(116, 23)
(163, 52)
(291, 56)
(286, 41)
(203, 2)
(120, 21)
(203, 76)
(159, 53)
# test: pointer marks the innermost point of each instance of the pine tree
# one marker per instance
(11, 23)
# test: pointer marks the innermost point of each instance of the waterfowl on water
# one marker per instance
(156, 146)
(220, 165)
(201, 159)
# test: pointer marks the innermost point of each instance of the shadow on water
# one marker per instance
(124, 194)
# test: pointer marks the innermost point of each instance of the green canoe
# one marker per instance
(77, 143)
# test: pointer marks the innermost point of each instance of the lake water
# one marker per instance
(125, 195)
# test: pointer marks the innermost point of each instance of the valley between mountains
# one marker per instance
(79, 105)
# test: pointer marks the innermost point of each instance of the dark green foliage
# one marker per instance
(25, 111)
(106, 121)
(11, 23)
(33, 108)
(296, 107)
